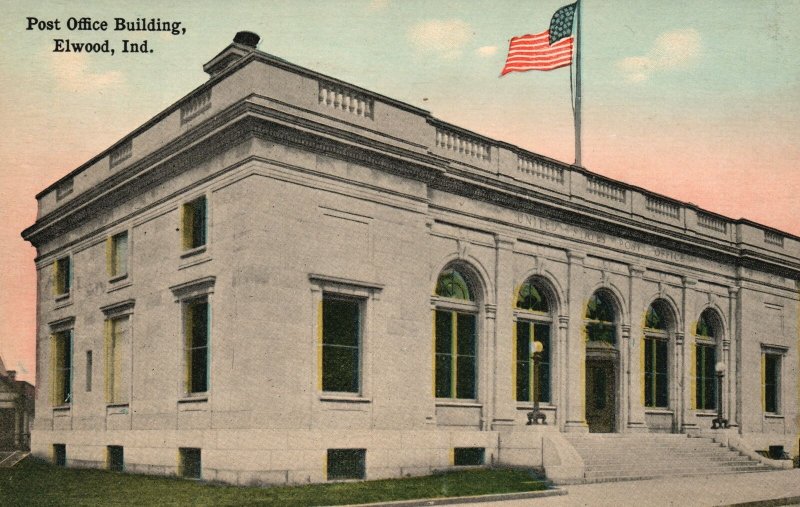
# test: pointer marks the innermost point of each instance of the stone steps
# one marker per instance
(594, 477)
(668, 463)
(620, 457)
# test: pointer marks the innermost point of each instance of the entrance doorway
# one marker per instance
(601, 388)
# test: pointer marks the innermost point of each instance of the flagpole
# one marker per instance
(578, 90)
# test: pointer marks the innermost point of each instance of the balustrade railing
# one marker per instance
(462, 144)
(605, 189)
(345, 99)
(662, 207)
(540, 169)
(121, 153)
(196, 106)
(773, 238)
(711, 222)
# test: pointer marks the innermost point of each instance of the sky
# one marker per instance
(699, 101)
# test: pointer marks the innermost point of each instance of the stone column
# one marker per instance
(687, 308)
(632, 345)
(575, 374)
(732, 375)
(504, 405)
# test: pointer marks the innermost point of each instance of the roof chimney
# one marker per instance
(247, 38)
(244, 43)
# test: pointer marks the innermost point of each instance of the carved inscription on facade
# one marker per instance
(599, 238)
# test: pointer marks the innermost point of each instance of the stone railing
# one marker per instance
(662, 207)
(605, 189)
(121, 153)
(711, 222)
(540, 169)
(345, 99)
(773, 238)
(461, 143)
(195, 106)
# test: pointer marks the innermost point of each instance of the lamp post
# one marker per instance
(536, 416)
(719, 422)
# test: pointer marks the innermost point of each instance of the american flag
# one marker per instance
(548, 50)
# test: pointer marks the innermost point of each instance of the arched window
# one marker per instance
(452, 284)
(705, 333)
(600, 319)
(534, 322)
(657, 324)
(455, 335)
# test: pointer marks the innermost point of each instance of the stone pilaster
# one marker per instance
(729, 353)
(576, 346)
(562, 373)
(500, 357)
(488, 377)
(631, 348)
(688, 295)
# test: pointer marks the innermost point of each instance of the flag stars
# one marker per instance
(561, 23)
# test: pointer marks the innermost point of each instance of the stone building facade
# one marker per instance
(16, 411)
(287, 278)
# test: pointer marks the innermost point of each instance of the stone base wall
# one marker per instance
(270, 457)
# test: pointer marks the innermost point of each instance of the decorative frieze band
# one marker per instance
(540, 169)
(605, 189)
(345, 99)
(462, 143)
(662, 207)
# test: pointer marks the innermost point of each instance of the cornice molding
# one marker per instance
(245, 120)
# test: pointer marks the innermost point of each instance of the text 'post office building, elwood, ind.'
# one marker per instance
(285, 278)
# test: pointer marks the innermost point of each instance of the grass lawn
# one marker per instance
(35, 482)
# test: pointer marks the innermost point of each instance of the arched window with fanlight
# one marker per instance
(705, 358)
(601, 319)
(455, 330)
(533, 323)
(657, 325)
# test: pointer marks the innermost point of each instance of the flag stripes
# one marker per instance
(534, 52)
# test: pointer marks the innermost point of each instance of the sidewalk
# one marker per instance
(713, 490)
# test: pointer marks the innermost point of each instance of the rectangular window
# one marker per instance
(62, 276)
(346, 464)
(656, 389)
(455, 354)
(60, 455)
(196, 340)
(468, 456)
(89, 371)
(772, 383)
(194, 223)
(117, 255)
(341, 342)
(115, 458)
(62, 367)
(705, 383)
(117, 343)
(190, 464)
(527, 333)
